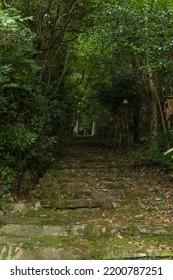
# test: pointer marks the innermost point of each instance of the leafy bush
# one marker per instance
(34, 113)
(17, 71)
(16, 138)
(155, 154)
(165, 139)
(7, 177)
(4, 198)
(151, 157)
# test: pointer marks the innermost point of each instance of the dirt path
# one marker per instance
(92, 207)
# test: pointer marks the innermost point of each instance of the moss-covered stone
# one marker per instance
(92, 207)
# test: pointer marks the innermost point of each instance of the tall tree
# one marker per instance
(134, 37)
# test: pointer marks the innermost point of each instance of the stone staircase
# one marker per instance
(91, 206)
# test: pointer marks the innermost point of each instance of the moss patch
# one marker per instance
(114, 248)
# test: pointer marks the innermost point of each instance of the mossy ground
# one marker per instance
(112, 248)
(94, 206)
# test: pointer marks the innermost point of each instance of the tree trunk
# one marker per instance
(76, 128)
(161, 114)
(94, 131)
(136, 123)
(153, 108)
(85, 132)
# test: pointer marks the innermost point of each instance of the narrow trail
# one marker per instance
(92, 207)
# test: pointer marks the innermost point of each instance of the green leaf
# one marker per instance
(169, 151)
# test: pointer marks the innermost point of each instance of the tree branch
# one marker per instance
(64, 69)
(4, 4)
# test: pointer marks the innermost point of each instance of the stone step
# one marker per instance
(62, 203)
(95, 153)
(54, 249)
(86, 164)
(91, 208)
(87, 230)
(85, 242)
(82, 230)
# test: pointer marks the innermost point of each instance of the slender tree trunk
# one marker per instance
(136, 123)
(153, 107)
(161, 114)
(94, 130)
(76, 128)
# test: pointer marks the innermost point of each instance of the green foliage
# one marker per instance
(168, 151)
(25, 113)
(165, 139)
(37, 103)
(152, 156)
(62, 60)
(129, 38)
(4, 198)
(155, 154)
(121, 87)
(7, 176)
(16, 138)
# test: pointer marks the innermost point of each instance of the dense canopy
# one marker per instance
(104, 62)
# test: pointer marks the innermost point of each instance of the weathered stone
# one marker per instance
(89, 206)
(83, 230)
(60, 253)
(156, 229)
(61, 231)
(20, 230)
(21, 208)
(71, 203)
(10, 252)
(17, 208)
(163, 232)
(37, 206)
(50, 253)
(136, 256)
(145, 229)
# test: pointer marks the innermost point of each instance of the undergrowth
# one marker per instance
(152, 156)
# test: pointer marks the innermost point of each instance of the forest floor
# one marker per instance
(94, 205)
